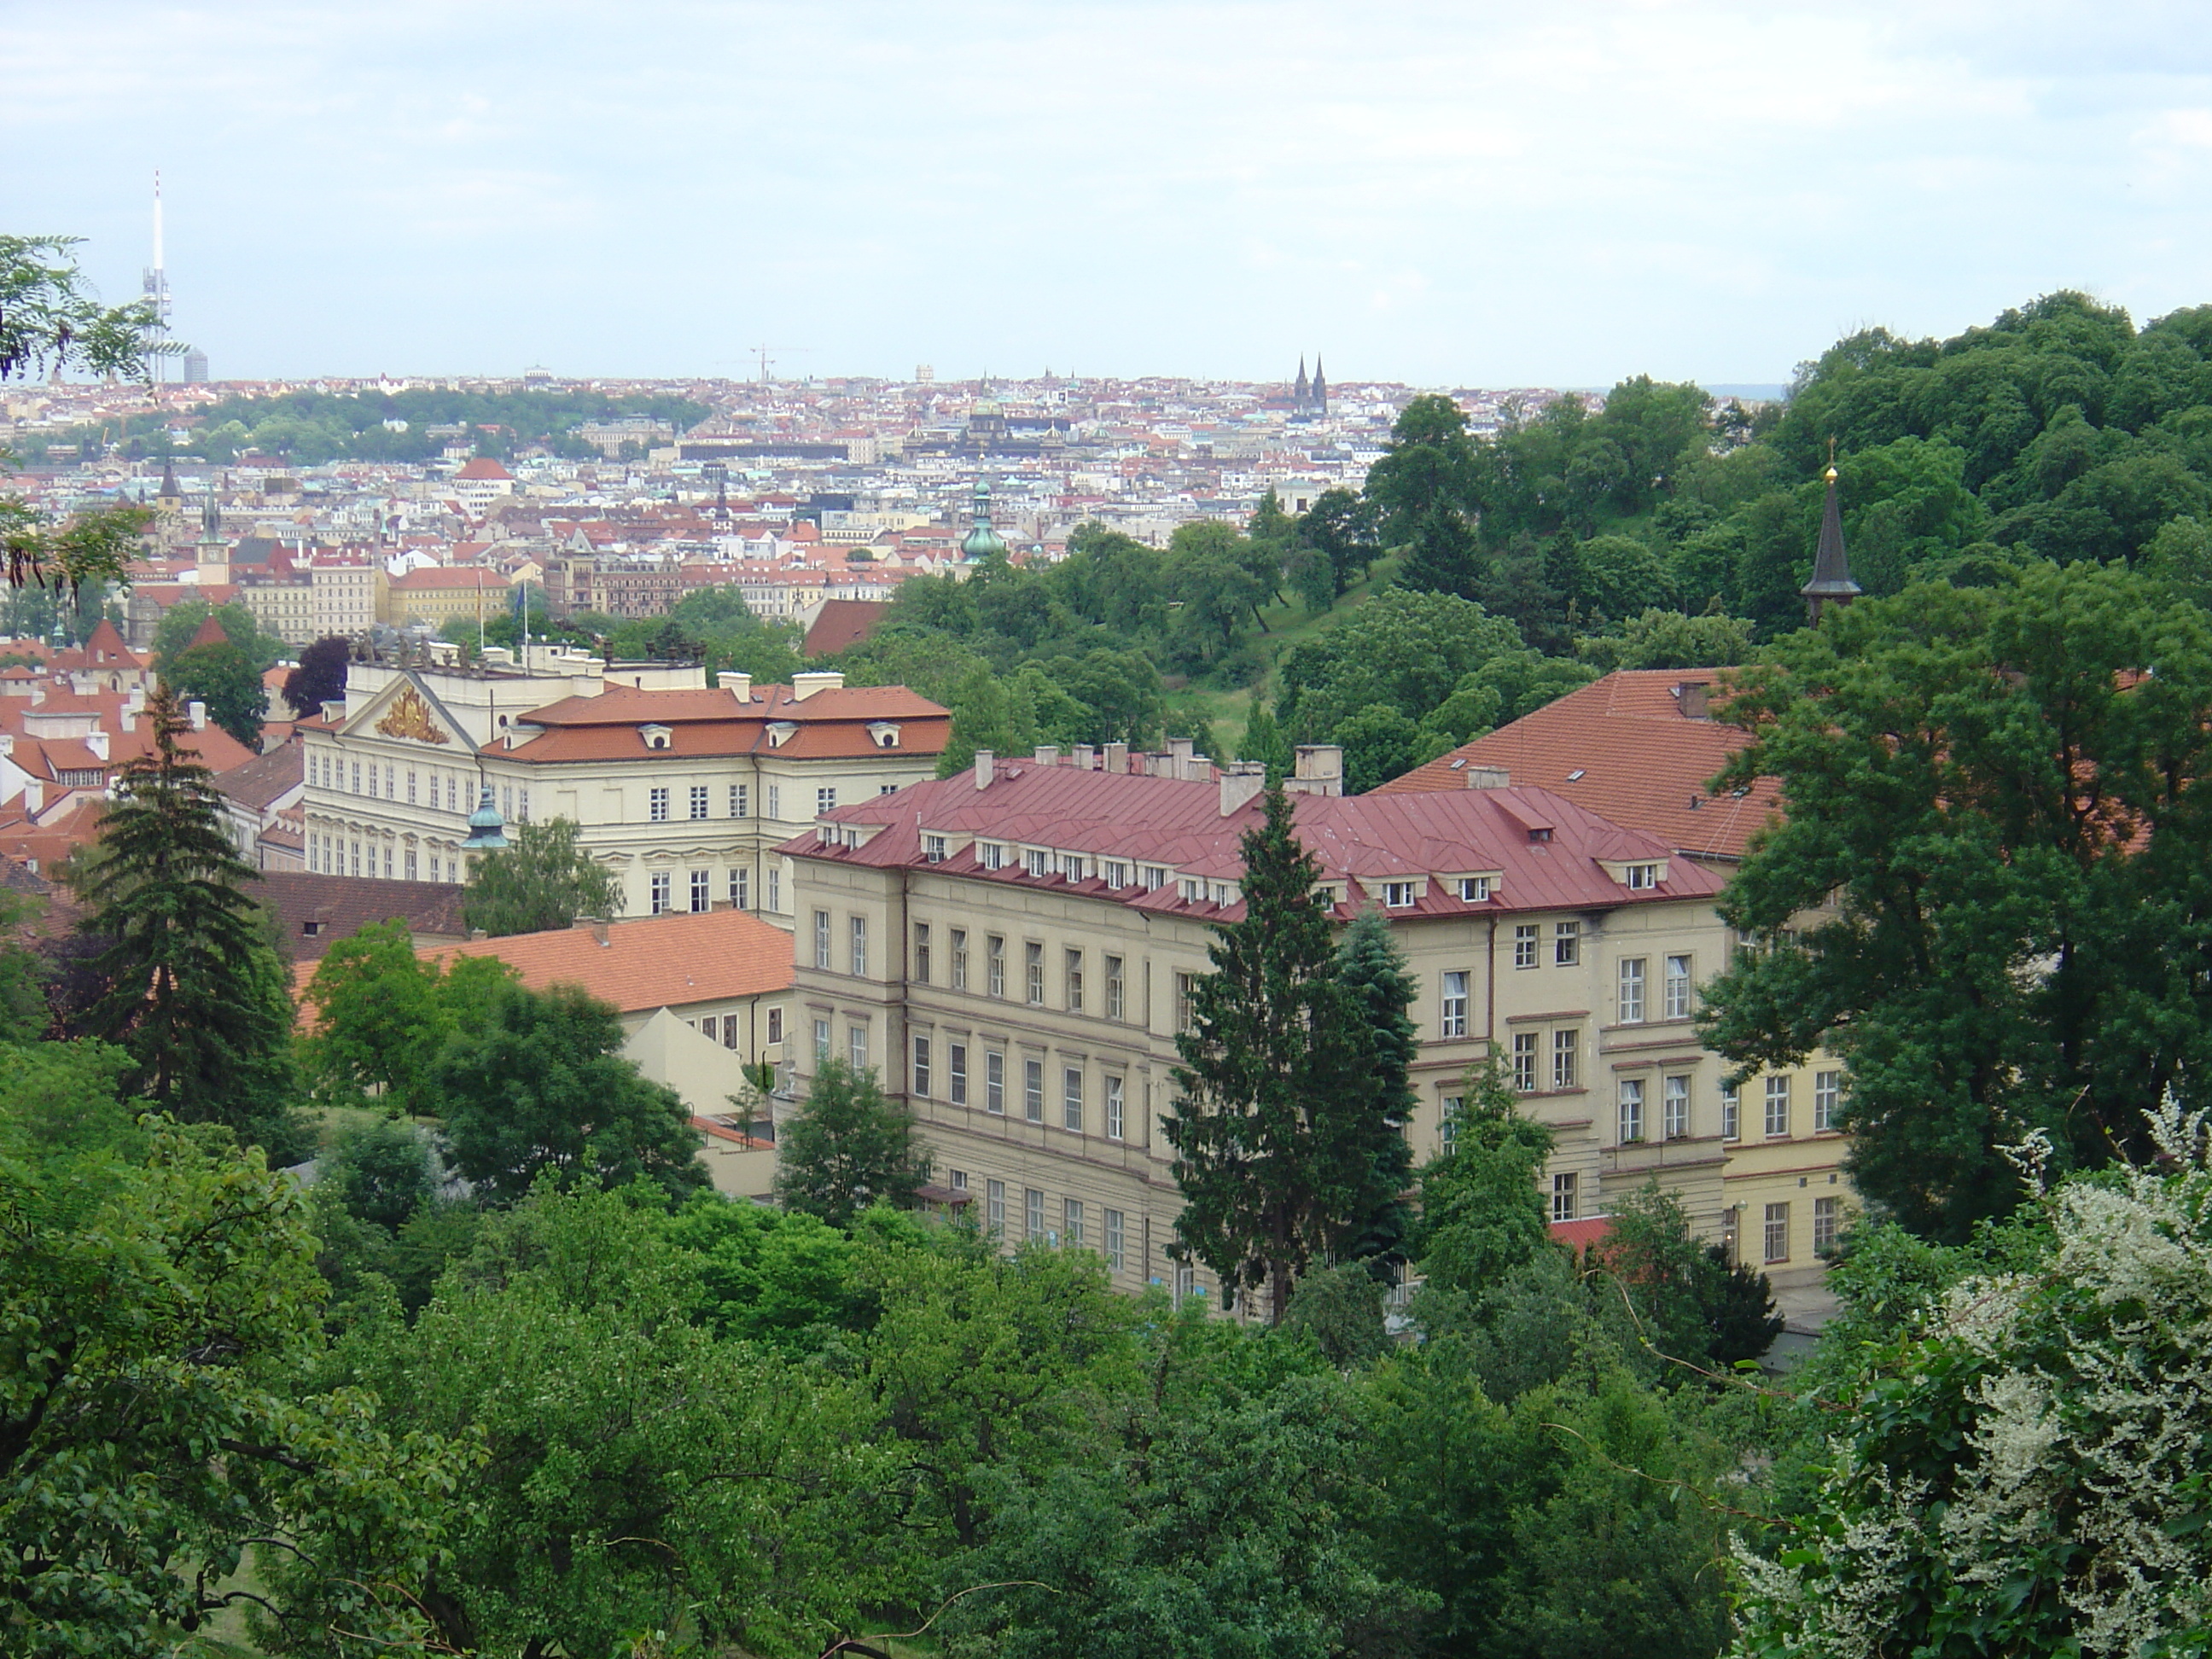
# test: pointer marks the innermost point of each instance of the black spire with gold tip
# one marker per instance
(1831, 582)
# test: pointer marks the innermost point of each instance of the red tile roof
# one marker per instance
(658, 961)
(1621, 746)
(841, 624)
(829, 724)
(438, 577)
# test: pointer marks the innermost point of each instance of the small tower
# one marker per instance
(1301, 391)
(983, 541)
(487, 830)
(1831, 582)
(1319, 390)
(212, 553)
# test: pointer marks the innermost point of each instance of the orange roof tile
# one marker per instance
(658, 961)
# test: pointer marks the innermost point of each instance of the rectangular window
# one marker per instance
(774, 791)
(1033, 1210)
(956, 1073)
(1643, 877)
(860, 946)
(775, 1025)
(1566, 1046)
(1678, 987)
(1827, 1215)
(933, 849)
(1524, 945)
(659, 884)
(821, 941)
(1632, 1110)
(1071, 973)
(1447, 1120)
(741, 890)
(391, 782)
(990, 855)
(960, 959)
(702, 890)
(1116, 1235)
(1155, 876)
(856, 1047)
(1827, 1096)
(1778, 1107)
(522, 804)
(1114, 1003)
(1631, 990)
(411, 864)
(994, 1207)
(1033, 973)
(1072, 1221)
(1565, 1206)
(656, 805)
(1115, 1123)
(1397, 895)
(1071, 1098)
(1566, 944)
(699, 799)
(732, 1037)
(1675, 1108)
(1524, 1061)
(825, 800)
(1731, 1112)
(1117, 876)
(1071, 866)
(775, 887)
(921, 952)
(1033, 1090)
(356, 778)
(388, 861)
(711, 1028)
(1184, 1011)
(994, 1084)
(741, 800)
(1037, 861)
(821, 1039)
(994, 965)
(453, 794)
(1475, 889)
(410, 785)
(1777, 1232)
(1454, 1005)
(921, 1065)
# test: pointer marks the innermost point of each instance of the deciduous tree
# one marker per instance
(847, 1147)
(542, 880)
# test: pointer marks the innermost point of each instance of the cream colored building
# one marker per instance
(682, 789)
(1012, 948)
(435, 594)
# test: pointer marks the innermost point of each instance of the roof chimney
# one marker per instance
(196, 711)
(1319, 771)
(1047, 754)
(1080, 756)
(97, 742)
(596, 925)
(1117, 757)
(1181, 748)
(804, 686)
(739, 686)
(1240, 783)
(986, 763)
(1694, 699)
(1488, 777)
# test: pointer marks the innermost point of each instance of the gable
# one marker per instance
(409, 710)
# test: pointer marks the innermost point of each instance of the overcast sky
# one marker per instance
(1470, 193)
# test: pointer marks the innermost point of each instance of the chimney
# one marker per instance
(1080, 756)
(1240, 783)
(1181, 748)
(1319, 771)
(196, 711)
(96, 741)
(804, 686)
(596, 925)
(1117, 757)
(986, 763)
(1488, 777)
(1692, 699)
(739, 686)
(35, 796)
(1047, 754)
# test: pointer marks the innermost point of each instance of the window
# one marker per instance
(1071, 866)
(659, 884)
(774, 793)
(702, 890)
(1524, 945)
(956, 1073)
(410, 785)
(1116, 1246)
(1632, 1110)
(656, 805)
(1643, 877)
(1186, 1282)
(1184, 1012)
(1033, 1090)
(1448, 1120)
(1071, 1098)
(1072, 1222)
(921, 952)
(1827, 1215)
(1566, 944)
(775, 887)
(1155, 876)
(356, 778)
(1397, 895)
(994, 965)
(821, 941)
(1675, 1108)
(1563, 1196)
(821, 1039)
(995, 1205)
(1565, 1046)
(741, 888)
(991, 855)
(1454, 1005)
(1033, 1210)
(1777, 1232)
(1117, 875)
(1631, 990)
(1114, 1003)
(1524, 1061)
(1678, 987)
(1072, 972)
(1827, 1096)
(452, 793)
(1731, 1112)
(933, 849)
(860, 946)
(958, 1178)
(1033, 973)
(411, 864)
(1035, 861)
(1115, 1124)
(391, 783)
(825, 800)
(741, 800)
(960, 959)
(1778, 1107)
(775, 1025)
(1475, 889)
(699, 800)
(921, 1065)
(856, 1047)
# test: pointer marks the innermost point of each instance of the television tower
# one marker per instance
(156, 285)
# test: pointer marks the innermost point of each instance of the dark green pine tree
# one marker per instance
(1273, 1128)
(1372, 971)
(192, 986)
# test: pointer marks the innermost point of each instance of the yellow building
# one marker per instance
(437, 593)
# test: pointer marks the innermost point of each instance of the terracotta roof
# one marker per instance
(315, 911)
(437, 577)
(657, 962)
(702, 723)
(841, 624)
(209, 633)
(1622, 746)
(483, 466)
(266, 778)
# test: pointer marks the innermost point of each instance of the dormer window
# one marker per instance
(1397, 895)
(884, 734)
(1117, 873)
(781, 733)
(1037, 861)
(656, 736)
(933, 849)
(991, 854)
(1640, 877)
(1474, 889)
(1071, 866)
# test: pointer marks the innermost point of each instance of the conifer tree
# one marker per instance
(192, 988)
(1372, 970)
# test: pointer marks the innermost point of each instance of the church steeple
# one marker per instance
(1298, 392)
(1831, 582)
(1320, 388)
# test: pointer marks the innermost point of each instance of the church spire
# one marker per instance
(1831, 582)
(1298, 390)
(1320, 388)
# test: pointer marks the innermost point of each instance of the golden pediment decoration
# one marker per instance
(409, 717)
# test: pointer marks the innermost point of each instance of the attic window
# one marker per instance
(883, 734)
(1642, 876)
(1541, 833)
(1475, 889)
(932, 848)
(312, 929)
(656, 736)
(1037, 860)
(780, 732)
(1461, 762)
(1397, 895)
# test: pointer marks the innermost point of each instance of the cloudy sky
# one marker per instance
(1470, 193)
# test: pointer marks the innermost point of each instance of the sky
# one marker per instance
(1466, 194)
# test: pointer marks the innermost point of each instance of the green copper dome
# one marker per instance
(983, 541)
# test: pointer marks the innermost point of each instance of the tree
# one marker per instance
(1273, 1131)
(224, 678)
(541, 881)
(172, 635)
(1667, 639)
(1421, 491)
(1994, 862)
(320, 678)
(541, 1087)
(1482, 1215)
(847, 1147)
(382, 1012)
(192, 988)
(1371, 970)
(383, 1172)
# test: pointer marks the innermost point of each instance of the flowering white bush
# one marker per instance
(2030, 1472)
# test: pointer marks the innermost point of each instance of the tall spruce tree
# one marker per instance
(192, 988)
(1372, 970)
(1274, 1128)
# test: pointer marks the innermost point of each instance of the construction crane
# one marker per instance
(767, 362)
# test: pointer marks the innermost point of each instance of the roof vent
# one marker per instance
(804, 686)
(1488, 777)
